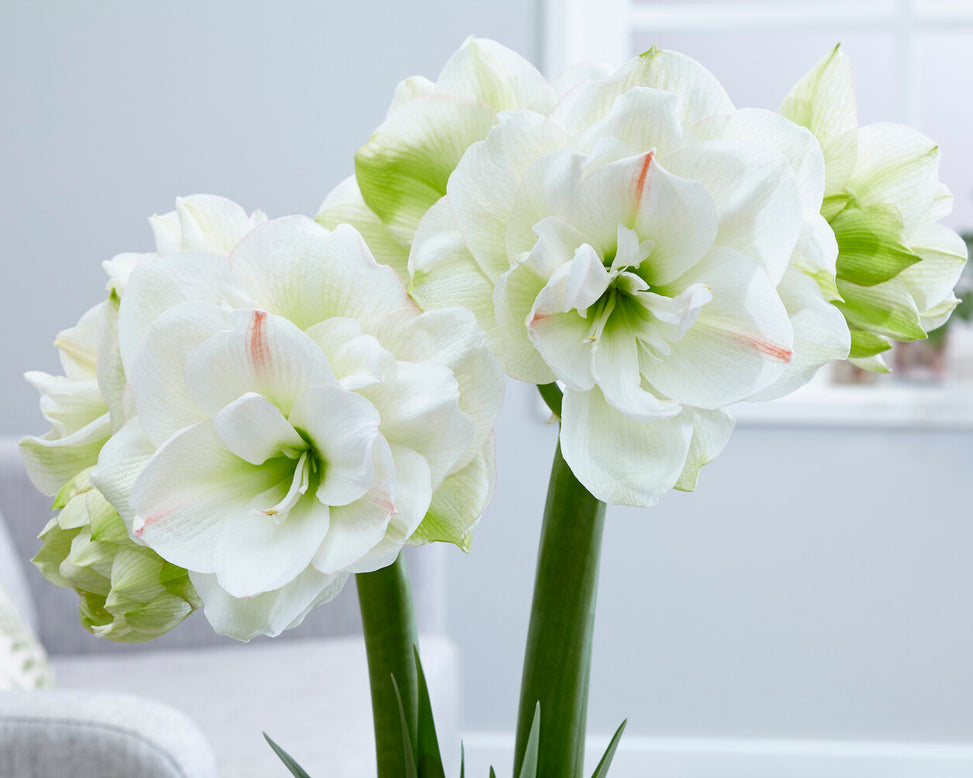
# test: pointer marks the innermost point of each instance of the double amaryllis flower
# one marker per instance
(295, 418)
(896, 267)
(654, 250)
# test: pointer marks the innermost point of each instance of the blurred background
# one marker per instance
(818, 585)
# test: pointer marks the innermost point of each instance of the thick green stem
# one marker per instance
(557, 663)
(389, 623)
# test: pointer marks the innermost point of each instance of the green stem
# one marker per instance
(557, 663)
(385, 599)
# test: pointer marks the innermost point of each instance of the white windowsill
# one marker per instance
(900, 406)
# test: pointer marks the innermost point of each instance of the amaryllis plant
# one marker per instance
(263, 407)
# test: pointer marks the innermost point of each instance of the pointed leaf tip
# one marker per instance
(601, 771)
(295, 769)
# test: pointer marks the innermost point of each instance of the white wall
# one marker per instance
(110, 109)
(816, 585)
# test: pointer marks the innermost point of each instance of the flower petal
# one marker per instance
(157, 284)
(297, 269)
(486, 71)
(255, 430)
(344, 205)
(157, 375)
(483, 188)
(342, 427)
(120, 463)
(620, 461)
(262, 353)
(412, 496)
(51, 462)
(192, 490)
(450, 337)
(257, 554)
(420, 410)
(711, 431)
(403, 168)
(740, 343)
(358, 527)
(266, 614)
(756, 195)
(460, 501)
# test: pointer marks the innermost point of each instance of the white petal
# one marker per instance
(157, 284)
(297, 269)
(483, 188)
(820, 334)
(403, 168)
(357, 360)
(257, 554)
(700, 93)
(52, 462)
(266, 614)
(711, 431)
(943, 253)
(344, 205)
(451, 337)
(212, 224)
(263, 353)
(342, 427)
(756, 194)
(824, 102)
(112, 381)
(78, 345)
(642, 118)
(740, 343)
(420, 410)
(444, 272)
(897, 165)
(357, 528)
(120, 462)
(514, 296)
(255, 430)
(413, 493)
(157, 375)
(484, 70)
(618, 460)
(460, 501)
(68, 405)
(192, 490)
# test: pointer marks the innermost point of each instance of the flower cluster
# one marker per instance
(282, 415)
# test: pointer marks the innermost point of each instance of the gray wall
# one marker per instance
(816, 585)
(110, 109)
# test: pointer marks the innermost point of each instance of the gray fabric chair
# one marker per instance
(308, 688)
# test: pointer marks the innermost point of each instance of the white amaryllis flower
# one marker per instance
(298, 420)
(656, 251)
(127, 591)
(403, 168)
(897, 267)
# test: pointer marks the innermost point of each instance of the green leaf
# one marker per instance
(462, 760)
(428, 759)
(408, 746)
(528, 768)
(602, 769)
(871, 244)
(867, 344)
(492, 773)
(296, 770)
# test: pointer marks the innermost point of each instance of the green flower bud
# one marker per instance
(129, 594)
(896, 266)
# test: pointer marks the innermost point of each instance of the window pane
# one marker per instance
(946, 113)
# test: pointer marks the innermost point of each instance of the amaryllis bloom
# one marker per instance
(896, 267)
(403, 168)
(129, 594)
(654, 250)
(298, 419)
